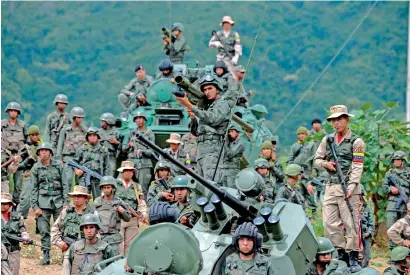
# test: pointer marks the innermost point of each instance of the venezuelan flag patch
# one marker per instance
(358, 157)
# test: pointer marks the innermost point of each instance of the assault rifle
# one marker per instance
(21, 240)
(134, 213)
(403, 198)
(89, 173)
(316, 182)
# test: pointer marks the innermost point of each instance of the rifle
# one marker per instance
(316, 182)
(342, 178)
(137, 214)
(164, 184)
(89, 174)
(23, 152)
(69, 241)
(403, 198)
(229, 54)
(21, 240)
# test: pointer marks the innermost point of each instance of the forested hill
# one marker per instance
(88, 50)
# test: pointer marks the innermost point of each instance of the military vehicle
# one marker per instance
(287, 235)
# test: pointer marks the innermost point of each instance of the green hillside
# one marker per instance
(89, 50)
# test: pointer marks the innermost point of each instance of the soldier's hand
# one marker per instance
(366, 235)
(113, 141)
(311, 189)
(394, 190)
(184, 220)
(406, 243)
(131, 144)
(273, 157)
(63, 246)
(16, 159)
(38, 212)
(331, 166)
(120, 209)
(349, 194)
(172, 80)
(261, 198)
(79, 172)
(168, 196)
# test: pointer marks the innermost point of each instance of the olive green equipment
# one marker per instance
(325, 246)
(293, 170)
(399, 155)
(13, 106)
(166, 34)
(109, 118)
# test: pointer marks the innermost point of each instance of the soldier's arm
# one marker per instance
(127, 90)
(60, 144)
(278, 173)
(179, 45)
(47, 130)
(292, 152)
(108, 252)
(34, 192)
(320, 161)
(23, 229)
(395, 231)
(148, 151)
(56, 229)
(238, 46)
(357, 164)
(65, 185)
(235, 150)
(126, 142)
(213, 116)
(125, 216)
(385, 184)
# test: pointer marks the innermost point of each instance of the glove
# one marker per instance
(235, 59)
(216, 44)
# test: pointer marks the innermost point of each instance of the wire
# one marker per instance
(170, 13)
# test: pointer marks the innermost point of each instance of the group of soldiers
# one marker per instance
(118, 174)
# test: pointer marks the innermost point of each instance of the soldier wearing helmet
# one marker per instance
(110, 139)
(138, 153)
(182, 192)
(166, 70)
(272, 186)
(290, 190)
(87, 252)
(213, 121)
(57, 120)
(160, 188)
(275, 170)
(111, 210)
(94, 156)
(230, 86)
(323, 256)
(401, 175)
(49, 194)
(399, 232)
(400, 261)
(176, 45)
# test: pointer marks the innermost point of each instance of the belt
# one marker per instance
(202, 138)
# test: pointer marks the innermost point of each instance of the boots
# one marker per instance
(343, 256)
(46, 258)
(354, 262)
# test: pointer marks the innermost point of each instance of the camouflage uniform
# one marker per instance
(190, 146)
(291, 193)
(177, 46)
(272, 186)
(5, 267)
(135, 86)
(399, 231)
(53, 129)
(230, 167)
(366, 226)
(180, 156)
(231, 87)
(6, 171)
(159, 185)
(113, 149)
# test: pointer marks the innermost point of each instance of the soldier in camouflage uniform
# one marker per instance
(138, 153)
(49, 194)
(271, 184)
(181, 192)
(268, 152)
(190, 146)
(71, 138)
(12, 224)
(66, 229)
(316, 127)
(232, 155)
(56, 120)
(84, 254)
(400, 261)
(323, 257)
(213, 121)
(94, 156)
(133, 196)
(246, 259)
(176, 47)
(166, 70)
(175, 150)
(136, 89)
(110, 139)
(7, 170)
(230, 85)
(401, 174)
(399, 232)
(290, 190)
(160, 188)
(13, 139)
(111, 210)
(367, 229)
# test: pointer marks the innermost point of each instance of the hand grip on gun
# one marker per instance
(178, 92)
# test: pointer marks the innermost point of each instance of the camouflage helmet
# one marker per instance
(267, 145)
(162, 212)
(261, 163)
(165, 64)
(60, 98)
(162, 165)
(140, 114)
(77, 112)
(33, 130)
(177, 26)
(93, 130)
(399, 253)
(249, 230)
(399, 155)
(90, 219)
(293, 170)
(302, 130)
(13, 106)
(108, 180)
(45, 145)
(210, 79)
(325, 246)
(220, 64)
(181, 181)
(109, 118)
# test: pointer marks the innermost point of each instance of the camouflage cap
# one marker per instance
(33, 130)
(235, 127)
(80, 191)
(399, 253)
(337, 111)
(6, 198)
(126, 165)
(261, 163)
(302, 130)
(210, 79)
(399, 155)
(93, 130)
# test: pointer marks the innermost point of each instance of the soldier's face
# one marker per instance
(267, 153)
(227, 26)
(408, 261)
(108, 190)
(13, 114)
(90, 231)
(103, 124)
(79, 200)
(233, 134)
(240, 75)
(5, 207)
(140, 74)
(316, 126)
(176, 33)
(92, 138)
(166, 72)
(340, 123)
(61, 106)
(180, 194)
(262, 171)
(140, 121)
(397, 163)
(78, 120)
(325, 258)
(219, 71)
(45, 154)
(210, 91)
(34, 138)
(127, 174)
(163, 173)
(302, 136)
(174, 146)
(245, 244)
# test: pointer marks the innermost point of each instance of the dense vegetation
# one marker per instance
(89, 50)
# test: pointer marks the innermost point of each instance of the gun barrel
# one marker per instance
(184, 83)
(243, 124)
(227, 198)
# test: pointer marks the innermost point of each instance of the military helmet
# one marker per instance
(93, 130)
(140, 114)
(45, 145)
(90, 219)
(249, 230)
(33, 130)
(293, 170)
(220, 64)
(77, 112)
(261, 163)
(325, 246)
(399, 253)
(165, 64)
(60, 98)
(235, 127)
(108, 180)
(109, 118)
(259, 111)
(249, 182)
(13, 106)
(210, 79)
(162, 165)
(181, 181)
(267, 145)
(162, 212)
(399, 155)
(177, 26)
(302, 130)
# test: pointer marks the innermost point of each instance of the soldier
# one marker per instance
(5, 266)
(399, 232)
(246, 259)
(400, 261)
(138, 153)
(165, 67)
(271, 184)
(66, 229)
(175, 150)
(243, 95)
(323, 256)
(290, 191)
(268, 152)
(233, 152)
(160, 189)
(230, 85)
(84, 254)
(111, 139)
(71, 138)
(132, 195)
(94, 156)
(56, 120)
(12, 224)
(350, 150)
(190, 146)
(228, 44)
(213, 121)
(316, 127)
(49, 194)
(182, 192)
(401, 174)
(137, 88)
(176, 48)
(111, 210)
(367, 229)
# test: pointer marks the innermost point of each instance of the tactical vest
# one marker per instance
(92, 157)
(141, 160)
(11, 227)
(72, 221)
(109, 217)
(235, 266)
(87, 256)
(12, 136)
(129, 196)
(49, 179)
(105, 136)
(74, 139)
(228, 44)
(55, 120)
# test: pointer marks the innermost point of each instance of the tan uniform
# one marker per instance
(400, 231)
(350, 151)
(5, 267)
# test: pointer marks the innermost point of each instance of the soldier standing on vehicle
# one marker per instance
(290, 191)
(111, 210)
(400, 261)
(176, 45)
(182, 193)
(399, 232)
(271, 184)
(401, 174)
(367, 229)
(137, 88)
(12, 224)
(160, 188)
(230, 85)
(71, 138)
(86, 253)
(111, 140)
(175, 150)
(350, 150)
(213, 121)
(138, 153)
(323, 256)
(132, 195)
(228, 43)
(66, 229)
(56, 120)
(166, 70)
(49, 194)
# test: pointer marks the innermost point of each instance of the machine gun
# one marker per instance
(21, 240)
(89, 174)
(403, 198)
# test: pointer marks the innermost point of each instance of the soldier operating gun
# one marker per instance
(403, 198)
